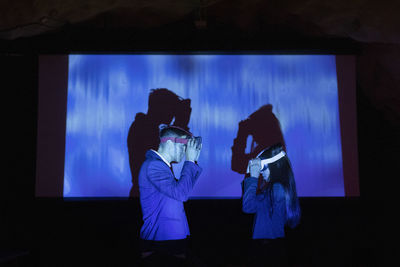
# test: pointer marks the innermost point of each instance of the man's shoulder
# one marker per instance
(154, 168)
(156, 162)
(152, 155)
(153, 160)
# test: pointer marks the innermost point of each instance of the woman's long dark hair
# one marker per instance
(281, 172)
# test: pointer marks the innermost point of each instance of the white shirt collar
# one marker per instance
(166, 162)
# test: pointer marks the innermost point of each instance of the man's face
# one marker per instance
(179, 150)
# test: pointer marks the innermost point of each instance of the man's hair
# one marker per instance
(173, 131)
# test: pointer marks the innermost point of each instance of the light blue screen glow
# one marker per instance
(106, 91)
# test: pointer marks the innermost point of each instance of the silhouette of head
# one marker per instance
(260, 123)
(162, 105)
(264, 126)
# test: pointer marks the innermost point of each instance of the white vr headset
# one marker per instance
(269, 160)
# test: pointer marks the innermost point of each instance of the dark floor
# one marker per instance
(333, 232)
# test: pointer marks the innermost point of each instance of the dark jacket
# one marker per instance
(269, 221)
(162, 197)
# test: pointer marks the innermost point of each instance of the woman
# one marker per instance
(270, 193)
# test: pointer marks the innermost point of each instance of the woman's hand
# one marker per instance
(255, 167)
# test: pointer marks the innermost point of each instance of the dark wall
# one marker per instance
(19, 110)
(378, 111)
(19, 94)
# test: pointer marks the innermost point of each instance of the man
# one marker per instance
(165, 228)
(164, 106)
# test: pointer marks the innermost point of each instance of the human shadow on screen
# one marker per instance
(164, 107)
(264, 129)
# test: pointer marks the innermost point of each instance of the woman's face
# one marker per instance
(265, 172)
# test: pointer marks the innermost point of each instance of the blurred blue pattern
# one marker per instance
(106, 91)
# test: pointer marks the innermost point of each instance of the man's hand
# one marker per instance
(255, 167)
(193, 150)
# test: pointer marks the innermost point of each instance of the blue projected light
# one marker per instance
(106, 92)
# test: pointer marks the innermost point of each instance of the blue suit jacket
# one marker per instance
(266, 225)
(162, 197)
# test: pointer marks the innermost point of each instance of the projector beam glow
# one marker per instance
(107, 93)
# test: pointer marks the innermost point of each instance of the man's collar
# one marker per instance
(166, 161)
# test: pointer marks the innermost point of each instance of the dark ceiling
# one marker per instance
(360, 20)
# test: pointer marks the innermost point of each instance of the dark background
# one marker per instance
(333, 231)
